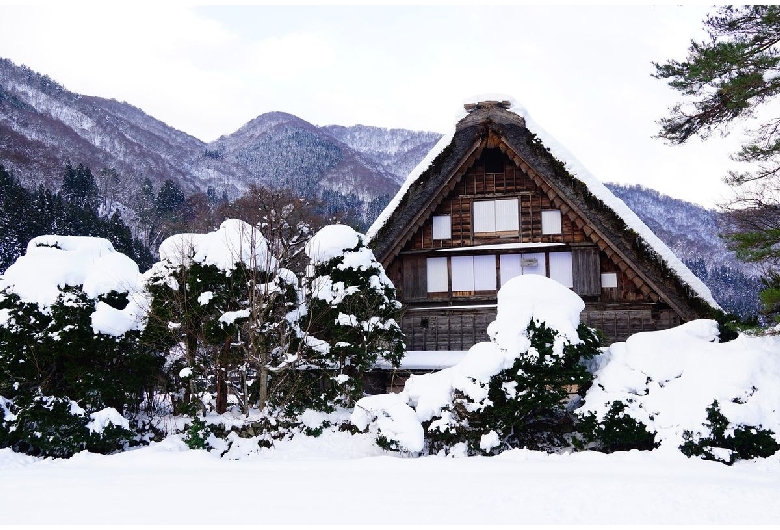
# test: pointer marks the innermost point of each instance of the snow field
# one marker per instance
(343, 479)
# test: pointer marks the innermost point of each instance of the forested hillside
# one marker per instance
(693, 233)
(43, 126)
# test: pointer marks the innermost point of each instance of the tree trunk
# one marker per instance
(262, 375)
(221, 391)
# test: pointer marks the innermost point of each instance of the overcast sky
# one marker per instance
(583, 73)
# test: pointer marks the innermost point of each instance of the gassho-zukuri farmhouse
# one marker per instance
(498, 198)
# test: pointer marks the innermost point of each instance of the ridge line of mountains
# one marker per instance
(357, 168)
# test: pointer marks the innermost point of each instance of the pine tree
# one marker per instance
(79, 188)
(725, 80)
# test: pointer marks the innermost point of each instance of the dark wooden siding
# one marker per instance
(459, 329)
(618, 324)
(446, 329)
(415, 279)
(586, 271)
(479, 185)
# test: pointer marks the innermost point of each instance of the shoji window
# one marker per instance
(551, 222)
(437, 275)
(507, 217)
(473, 273)
(496, 216)
(442, 227)
(484, 216)
(609, 280)
(463, 273)
(516, 264)
(560, 268)
(484, 273)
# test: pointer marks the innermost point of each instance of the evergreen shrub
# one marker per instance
(745, 442)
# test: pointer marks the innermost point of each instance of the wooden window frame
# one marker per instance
(496, 232)
(554, 226)
(439, 231)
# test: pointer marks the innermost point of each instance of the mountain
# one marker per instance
(396, 151)
(281, 148)
(692, 232)
(43, 125)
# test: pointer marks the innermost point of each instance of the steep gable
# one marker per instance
(595, 225)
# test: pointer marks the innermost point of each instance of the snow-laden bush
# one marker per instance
(617, 431)
(726, 443)
(71, 311)
(41, 425)
(510, 392)
(668, 381)
(219, 307)
(351, 316)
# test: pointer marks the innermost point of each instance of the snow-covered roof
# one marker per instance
(576, 170)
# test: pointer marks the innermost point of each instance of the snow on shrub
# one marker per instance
(58, 427)
(71, 311)
(53, 263)
(219, 302)
(667, 380)
(351, 316)
(509, 392)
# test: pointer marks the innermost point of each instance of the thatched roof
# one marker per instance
(611, 224)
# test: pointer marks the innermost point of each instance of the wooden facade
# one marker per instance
(495, 204)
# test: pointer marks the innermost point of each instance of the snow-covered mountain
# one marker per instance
(397, 151)
(692, 232)
(43, 125)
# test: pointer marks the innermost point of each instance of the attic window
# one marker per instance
(500, 215)
(494, 160)
(442, 227)
(551, 222)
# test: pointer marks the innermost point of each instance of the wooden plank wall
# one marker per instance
(479, 185)
(447, 330)
(459, 329)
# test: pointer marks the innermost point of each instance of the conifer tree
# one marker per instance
(353, 311)
(725, 80)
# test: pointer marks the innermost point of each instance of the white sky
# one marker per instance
(582, 72)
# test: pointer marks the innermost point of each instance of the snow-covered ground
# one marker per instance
(344, 479)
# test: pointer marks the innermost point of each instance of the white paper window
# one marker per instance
(510, 267)
(484, 273)
(551, 222)
(533, 263)
(507, 217)
(496, 216)
(609, 279)
(560, 268)
(437, 275)
(442, 227)
(462, 273)
(484, 216)
(516, 264)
